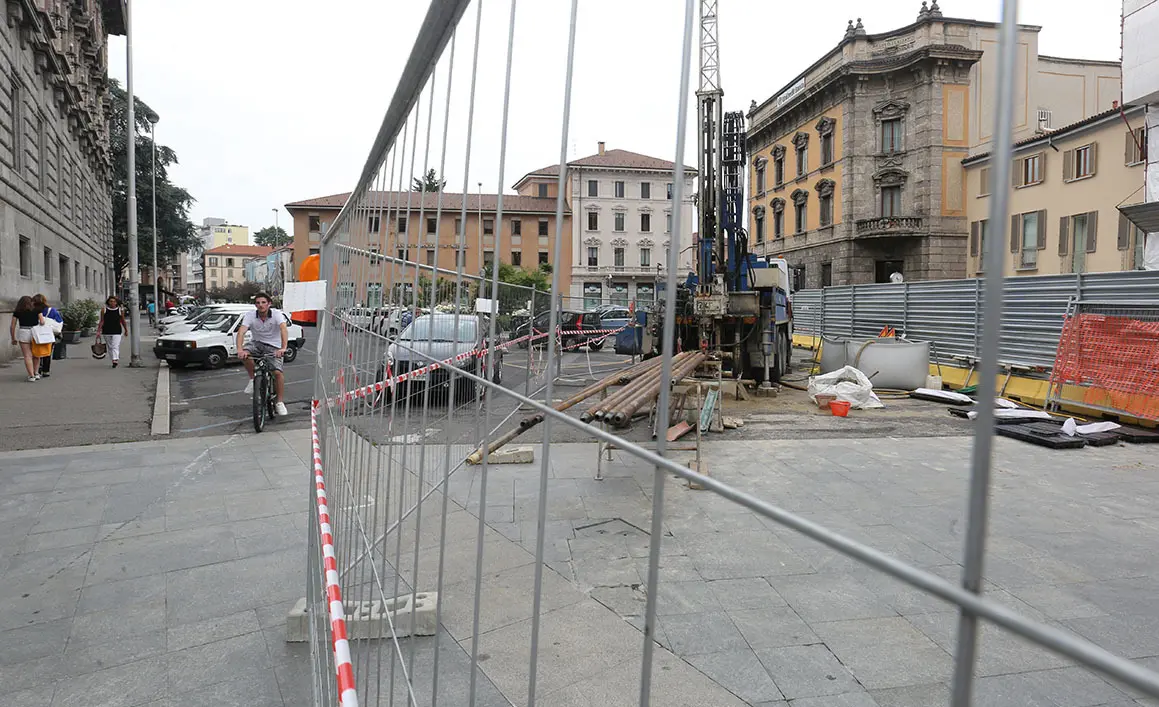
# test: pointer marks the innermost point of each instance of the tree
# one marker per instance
(429, 182)
(272, 237)
(175, 232)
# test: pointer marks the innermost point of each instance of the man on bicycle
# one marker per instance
(270, 338)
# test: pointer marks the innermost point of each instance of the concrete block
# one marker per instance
(512, 455)
(702, 469)
(373, 619)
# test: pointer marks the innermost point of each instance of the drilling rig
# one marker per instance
(736, 305)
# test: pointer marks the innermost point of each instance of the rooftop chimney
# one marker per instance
(601, 147)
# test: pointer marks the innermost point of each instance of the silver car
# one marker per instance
(438, 337)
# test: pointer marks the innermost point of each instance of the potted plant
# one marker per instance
(75, 316)
(94, 315)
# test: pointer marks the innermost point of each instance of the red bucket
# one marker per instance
(839, 408)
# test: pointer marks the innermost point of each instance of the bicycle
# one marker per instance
(265, 391)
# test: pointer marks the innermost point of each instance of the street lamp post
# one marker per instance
(153, 119)
(276, 226)
(131, 159)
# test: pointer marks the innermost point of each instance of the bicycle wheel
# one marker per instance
(271, 395)
(259, 401)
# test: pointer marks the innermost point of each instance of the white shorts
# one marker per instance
(24, 335)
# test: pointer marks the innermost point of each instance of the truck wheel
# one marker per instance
(595, 346)
(215, 359)
(291, 354)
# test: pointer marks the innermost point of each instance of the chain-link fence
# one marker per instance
(417, 357)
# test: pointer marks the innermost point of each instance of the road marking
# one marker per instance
(161, 402)
(231, 392)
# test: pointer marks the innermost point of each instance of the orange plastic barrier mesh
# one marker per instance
(1115, 358)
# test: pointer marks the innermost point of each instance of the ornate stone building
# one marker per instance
(856, 166)
(55, 163)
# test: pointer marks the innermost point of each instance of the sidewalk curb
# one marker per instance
(161, 402)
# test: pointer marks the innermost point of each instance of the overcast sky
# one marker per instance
(272, 101)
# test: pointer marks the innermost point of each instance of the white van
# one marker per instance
(214, 342)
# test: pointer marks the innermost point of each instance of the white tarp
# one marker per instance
(848, 384)
(1070, 427)
(1008, 414)
(304, 296)
(948, 395)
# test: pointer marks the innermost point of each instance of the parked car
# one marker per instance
(569, 321)
(434, 336)
(210, 312)
(213, 342)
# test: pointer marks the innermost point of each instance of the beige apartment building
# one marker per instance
(856, 167)
(225, 265)
(1066, 185)
(407, 226)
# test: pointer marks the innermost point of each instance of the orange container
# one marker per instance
(839, 408)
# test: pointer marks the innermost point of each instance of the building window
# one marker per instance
(402, 224)
(669, 191)
(542, 188)
(17, 126)
(825, 202)
(778, 166)
(26, 257)
(760, 187)
(778, 224)
(618, 257)
(802, 160)
(797, 276)
(48, 264)
(618, 222)
(668, 223)
(229, 262)
(827, 149)
(645, 223)
(593, 256)
(213, 284)
(593, 221)
(1028, 170)
(517, 258)
(41, 153)
(374, 223)
(460, 258)
(1136, 146)
(516, 227)
(1079, 162)
(88, 274)
(645, 257)
(458, 227)
(619, 190)
(759, 227)
(619, 294)
(488, 227)
(76, 273)
(799, 213)
(430, 257)
(645, 293)
(488, 258)
(826, 274)
(891, 135)
(543, 257)
(1028, 236)
(978, 232)
(593, 188)
(315, 223)
(645, 190)
(432, 225)
(891, 200)
(213, 262)
(984, 181)
(402, 254)
(543, 227)
(593, 295)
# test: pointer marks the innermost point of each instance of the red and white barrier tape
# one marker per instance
(347, 696)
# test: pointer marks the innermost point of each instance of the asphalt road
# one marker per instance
(212, 403)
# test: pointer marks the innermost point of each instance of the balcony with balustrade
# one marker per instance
(886, 226)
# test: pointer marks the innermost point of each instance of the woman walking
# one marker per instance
(40, 304)
(112, 327)
(24, 318)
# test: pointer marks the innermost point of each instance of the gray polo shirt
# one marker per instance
(269, 330)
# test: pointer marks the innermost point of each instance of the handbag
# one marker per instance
(99, 349)
(42, 334)
(41, 350)
(56, 326)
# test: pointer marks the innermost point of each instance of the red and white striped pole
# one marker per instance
(347, 695)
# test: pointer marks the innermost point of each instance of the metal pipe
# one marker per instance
(600, 406)
(628, 408)
(131, 159)
(606, 409)
(533, 420)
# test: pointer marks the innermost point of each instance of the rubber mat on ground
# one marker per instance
(1051, 440)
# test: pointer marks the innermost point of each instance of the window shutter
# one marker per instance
(974, 238)
(1124, 233)
(1129, 149)
(1063, 227)
(1092, 230)
(1094, 158)
(1042, 230)
(984, 181)
(1068, 165)
(1015, 222)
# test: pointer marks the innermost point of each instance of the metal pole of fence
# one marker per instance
(975, 552)
(549, 383)
(668, 331)
(131, 158)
